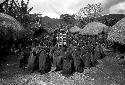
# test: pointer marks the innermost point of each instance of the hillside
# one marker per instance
(50, 21)
(110, 19)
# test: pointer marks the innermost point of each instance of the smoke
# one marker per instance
(110, 3)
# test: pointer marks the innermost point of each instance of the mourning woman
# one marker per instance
(68, 63)
(24, 57)
(78, 63)
(31, 59)
(58, 58)
(44, 62)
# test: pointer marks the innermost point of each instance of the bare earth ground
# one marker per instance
(107, 72)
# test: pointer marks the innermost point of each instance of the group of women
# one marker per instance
(67, 59)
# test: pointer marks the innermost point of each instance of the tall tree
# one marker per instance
(91, 11)
(2, 8)
(89, 14)
(68, 19)
(18, 11)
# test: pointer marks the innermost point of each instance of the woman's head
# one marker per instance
(64, 48)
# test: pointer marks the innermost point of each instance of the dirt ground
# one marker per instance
(109, 71)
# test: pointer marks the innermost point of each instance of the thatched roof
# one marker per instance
(93, 28)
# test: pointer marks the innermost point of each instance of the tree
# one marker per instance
(18, 11)
(68, 19)
(2, 6)
(88, 14)
(90, 11)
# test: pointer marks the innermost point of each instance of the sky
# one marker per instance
(54, 8)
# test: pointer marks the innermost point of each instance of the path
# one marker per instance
(106, 73)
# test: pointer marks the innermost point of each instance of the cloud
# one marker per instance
(58, 7)
(114, 7)
(118, 8)
(110, 3)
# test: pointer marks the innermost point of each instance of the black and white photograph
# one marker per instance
(62, 42)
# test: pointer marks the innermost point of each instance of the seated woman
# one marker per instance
(68, 63)
(24, 57)
(78, 63)
(44, 62)
(58, 58)
(98, 52)
(31, 59)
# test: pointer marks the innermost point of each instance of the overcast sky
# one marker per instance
(53, 8)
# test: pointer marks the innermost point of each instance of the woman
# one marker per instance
(58, 58)
(68, 64)
(31, 59)
(98, 52)
(78, 63)
(87, 55)
(24, 57)
(44, 62)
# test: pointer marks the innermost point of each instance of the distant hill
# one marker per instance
(50, 21)
(45, 20)
(110, 19)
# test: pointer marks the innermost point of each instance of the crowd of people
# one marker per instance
(66, 58)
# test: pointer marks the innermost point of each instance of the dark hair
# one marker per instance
(64, 48)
